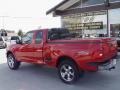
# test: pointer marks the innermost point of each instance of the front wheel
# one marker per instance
(12, 63)
(68, 72)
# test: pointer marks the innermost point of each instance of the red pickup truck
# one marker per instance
(64, 50)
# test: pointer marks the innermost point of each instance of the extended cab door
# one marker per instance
(26, 50)
(38, 47)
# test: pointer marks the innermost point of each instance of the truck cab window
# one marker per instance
(38, 38)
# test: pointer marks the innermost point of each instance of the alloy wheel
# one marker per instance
(67, 73)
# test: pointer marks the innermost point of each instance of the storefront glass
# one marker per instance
(87, 3)
(114, 23)
(90, 24)
(91, 2)
(114, 0)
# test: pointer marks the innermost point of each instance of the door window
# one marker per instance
(27, 39)
(114, 20)
(38, 38)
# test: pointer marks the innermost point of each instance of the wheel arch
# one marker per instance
(63, 58)
(9, 52)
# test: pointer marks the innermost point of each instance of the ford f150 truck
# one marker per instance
(64, 50)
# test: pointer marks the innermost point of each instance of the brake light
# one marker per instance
(98, 54)
(101, 54)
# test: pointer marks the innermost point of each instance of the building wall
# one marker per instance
(93, 23)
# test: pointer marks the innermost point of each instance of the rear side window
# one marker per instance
(1, 39)
(38, 38)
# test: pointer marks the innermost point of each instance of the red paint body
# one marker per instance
(84, 52)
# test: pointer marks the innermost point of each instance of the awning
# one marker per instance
(62, 6)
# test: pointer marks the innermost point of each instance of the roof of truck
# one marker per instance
(37, 30)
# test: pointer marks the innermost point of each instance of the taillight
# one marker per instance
(98, 54)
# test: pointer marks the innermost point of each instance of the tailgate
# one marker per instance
(109, 47)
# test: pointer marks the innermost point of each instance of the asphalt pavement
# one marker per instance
(35, 77)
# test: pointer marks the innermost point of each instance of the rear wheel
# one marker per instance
(68, 72)
(12, 63)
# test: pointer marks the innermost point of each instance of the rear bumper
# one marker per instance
(105, 65)
(108, 65)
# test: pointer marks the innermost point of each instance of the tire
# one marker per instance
(68, 72)
(12, 63)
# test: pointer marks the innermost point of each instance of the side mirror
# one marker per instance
(18, 41)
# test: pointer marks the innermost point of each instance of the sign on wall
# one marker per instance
(84, 21)
(85, 26)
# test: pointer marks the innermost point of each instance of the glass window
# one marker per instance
(114, 20)
(90, 24)
(3, 33)
(114, 0)
(86, 3)
(27, 39)
(38, 38)
(91, 2)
